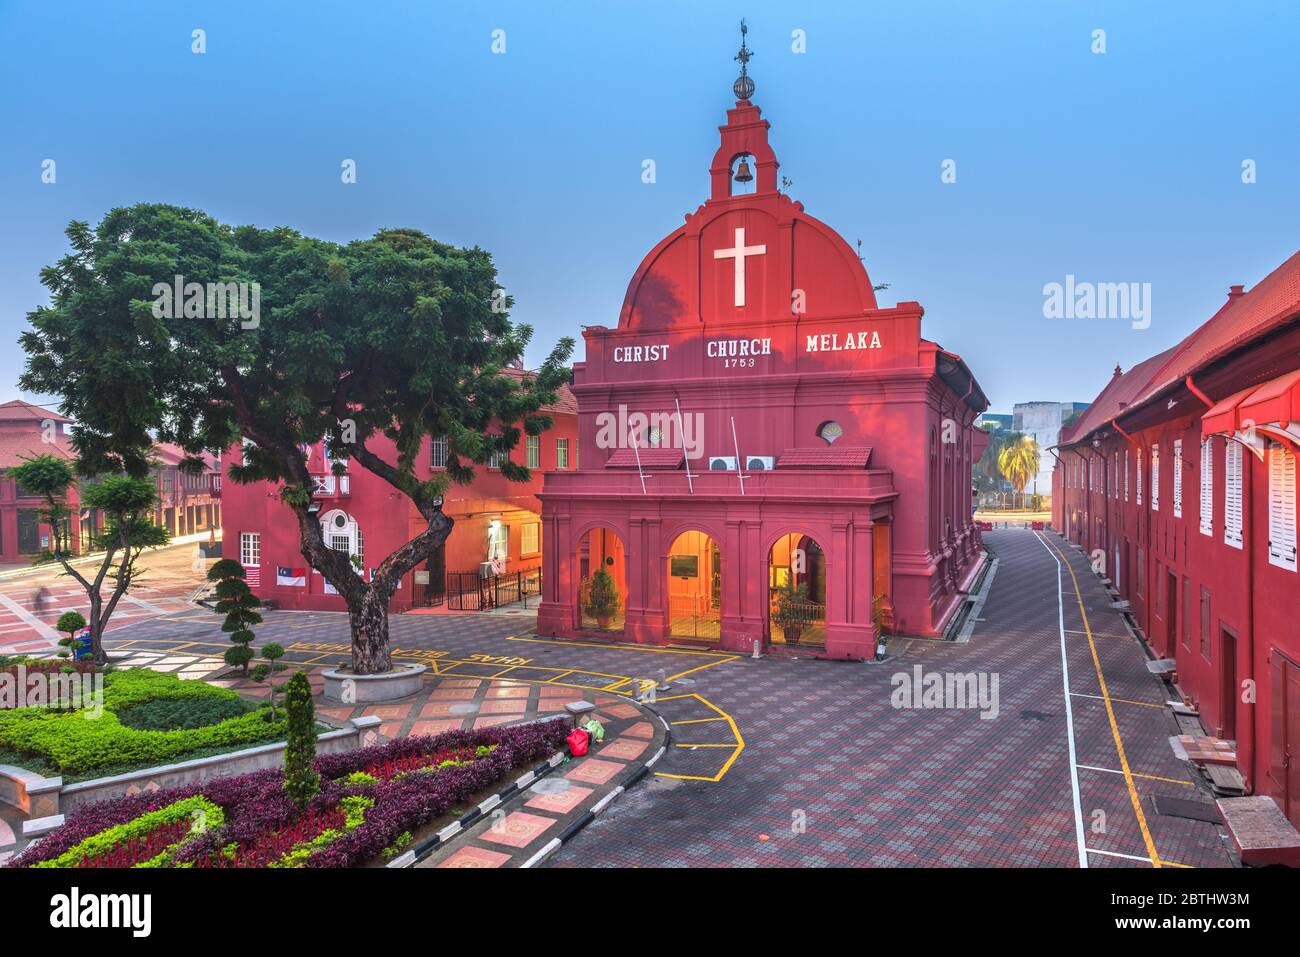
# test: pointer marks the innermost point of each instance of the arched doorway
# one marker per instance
(797, 591)
(602, 581)
(694, 587)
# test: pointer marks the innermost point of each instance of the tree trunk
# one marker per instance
(97, 653)
(370, 634)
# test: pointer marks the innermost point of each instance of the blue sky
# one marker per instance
(1115, 167)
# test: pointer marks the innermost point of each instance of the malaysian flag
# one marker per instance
(292, 577)
(253, 576)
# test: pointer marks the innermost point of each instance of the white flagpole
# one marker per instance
(681, 436)
(740, 463)
(636, 450)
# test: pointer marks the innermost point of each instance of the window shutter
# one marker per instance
(1232, 494)
(1126, 475)
(1281, 507)
(1178, 478)
(1207, 485)
(1155, 478)
(1139, 477)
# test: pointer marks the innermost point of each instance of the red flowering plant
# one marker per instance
(368, 798)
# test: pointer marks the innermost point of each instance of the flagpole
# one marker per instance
(681, 435)
(740, 471)
(636, 450)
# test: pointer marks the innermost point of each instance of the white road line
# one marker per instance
(1093, 767)
(1127, 857)
(1069, 713)
(40, 627)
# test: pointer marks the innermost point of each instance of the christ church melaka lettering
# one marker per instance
(655, 353)
(837, 342)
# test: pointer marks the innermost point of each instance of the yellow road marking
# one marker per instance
(1110, 712)
(696, 720)
(737, 747)
(620, 646)
(1144, 704)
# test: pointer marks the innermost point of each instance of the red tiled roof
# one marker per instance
(16, 410)
(658, 458)
(1116, 397)
(565, 401)
(18, 448)
(1272, 301)
(845, 457)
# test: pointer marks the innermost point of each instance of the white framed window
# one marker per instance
(438, 452)
(1232, 494)
(1281, 507)
(1155, 478)
(1138, 483)
(561, 453)
(1207, 485)
(250, 549)
(530, 538)
(1126, 474)
(498, 545)
(534, 449)
(495, 458)
(1178, 478)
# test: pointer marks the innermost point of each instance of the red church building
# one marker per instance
(1180, 481)
(769, 455)
(497, 521)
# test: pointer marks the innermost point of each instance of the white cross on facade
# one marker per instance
(738, 253)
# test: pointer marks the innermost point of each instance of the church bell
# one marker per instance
(743, 173)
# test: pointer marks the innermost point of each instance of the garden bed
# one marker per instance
(371, 803)
(149, 718)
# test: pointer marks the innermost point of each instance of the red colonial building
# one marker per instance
(496, 520)
(768, 454)
(189, 503)
(1182, 476)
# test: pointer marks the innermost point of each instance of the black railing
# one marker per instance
(470, 591)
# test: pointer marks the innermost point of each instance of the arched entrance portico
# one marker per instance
(602, 581)
(797, 591)
(694, 587)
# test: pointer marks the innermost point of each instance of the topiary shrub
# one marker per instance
(239, 605)
(301, 781)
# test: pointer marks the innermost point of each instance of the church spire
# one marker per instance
(744, 86)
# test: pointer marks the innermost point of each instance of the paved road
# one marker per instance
(809, 763)
(171, 575)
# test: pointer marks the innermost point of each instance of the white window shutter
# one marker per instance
(1155, 478)
(1126, 474)
(1207, 485)
(1178, 478)
(1281, 507)
(1232, 494)
(1139, 478)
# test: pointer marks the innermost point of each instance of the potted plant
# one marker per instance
(882, 612)
(602, 600)
(792, 611)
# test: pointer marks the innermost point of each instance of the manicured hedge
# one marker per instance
(74, 743)
(355, 817)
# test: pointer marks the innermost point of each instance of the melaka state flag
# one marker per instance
(291, 576)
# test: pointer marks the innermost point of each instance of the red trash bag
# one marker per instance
(577, 742)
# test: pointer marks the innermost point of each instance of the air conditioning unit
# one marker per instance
(760, 463)
(487, 569)
(722, 463)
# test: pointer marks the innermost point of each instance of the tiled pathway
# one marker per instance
(521, 832)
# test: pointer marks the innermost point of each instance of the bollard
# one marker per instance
(757, 654)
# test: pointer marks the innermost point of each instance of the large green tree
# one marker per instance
(373, 346)
(126, 504)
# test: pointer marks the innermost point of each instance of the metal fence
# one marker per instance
(469, 591)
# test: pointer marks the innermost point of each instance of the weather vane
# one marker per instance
(744, 86)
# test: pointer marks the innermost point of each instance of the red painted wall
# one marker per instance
(807, 345)
(387, 520)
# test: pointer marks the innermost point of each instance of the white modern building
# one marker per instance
(1042, 422)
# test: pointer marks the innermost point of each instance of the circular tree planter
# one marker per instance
(345, 687)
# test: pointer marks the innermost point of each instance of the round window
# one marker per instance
(830, 431)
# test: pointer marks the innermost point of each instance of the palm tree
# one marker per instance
(1019, 463)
